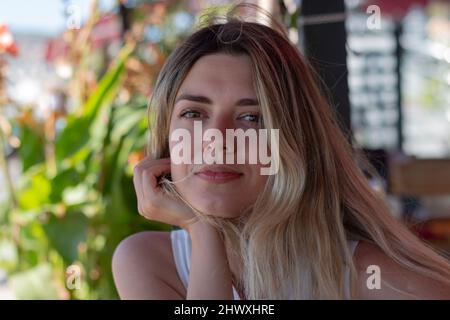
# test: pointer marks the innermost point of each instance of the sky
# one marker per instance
(44, 16)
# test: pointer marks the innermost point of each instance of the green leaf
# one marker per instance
(109, 80)
(31, 149)
(68, 178)
(36, 191)
(66, 233)
(77, 131)
(126, 122)
(33, 244)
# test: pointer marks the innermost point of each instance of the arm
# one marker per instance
(143, 268)
(210, 275)
(397, 282)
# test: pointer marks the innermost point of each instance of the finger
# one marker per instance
(150, 189)
(138, 179)
(142, 165)
(152, 196)
(153, 173)
(137, 182)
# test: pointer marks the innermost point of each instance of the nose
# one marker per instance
(211, 145)
(220, 122)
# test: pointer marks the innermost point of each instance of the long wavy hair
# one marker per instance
(292, 243)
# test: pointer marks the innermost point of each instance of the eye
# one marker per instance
(251, 117)
(190, 114)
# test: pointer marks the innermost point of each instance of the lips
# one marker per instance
(218, 174)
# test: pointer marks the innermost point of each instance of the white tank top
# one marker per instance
(181, 248)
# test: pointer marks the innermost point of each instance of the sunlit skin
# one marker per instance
(218, 91)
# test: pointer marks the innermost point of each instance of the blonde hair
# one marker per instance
(293, 241)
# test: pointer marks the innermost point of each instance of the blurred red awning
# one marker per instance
(56, 48)
(107, 30)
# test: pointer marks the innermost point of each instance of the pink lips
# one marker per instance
(218, 174)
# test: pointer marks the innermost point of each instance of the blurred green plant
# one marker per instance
(76, 202)
(79, 214)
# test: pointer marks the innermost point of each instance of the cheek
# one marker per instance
(178, 171)
(258, 180)
(183, 140)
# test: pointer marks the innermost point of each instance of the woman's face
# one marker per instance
(218, 93)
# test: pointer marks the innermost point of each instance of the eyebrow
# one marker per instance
(206, 100)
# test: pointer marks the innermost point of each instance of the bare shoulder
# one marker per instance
(144, 268)
(380, 277)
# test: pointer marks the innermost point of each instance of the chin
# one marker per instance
(217, 209)
(219, 201)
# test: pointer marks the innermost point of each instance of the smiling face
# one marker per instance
(218, 92)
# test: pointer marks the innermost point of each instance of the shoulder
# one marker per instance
(380, 277)
(143, 267)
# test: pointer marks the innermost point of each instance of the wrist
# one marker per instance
(201, 230)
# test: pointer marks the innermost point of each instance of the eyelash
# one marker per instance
(183, 114)
(258, 118)
(186, 112)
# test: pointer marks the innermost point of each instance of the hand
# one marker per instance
(153, 202)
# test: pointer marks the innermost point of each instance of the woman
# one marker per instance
(313, 230)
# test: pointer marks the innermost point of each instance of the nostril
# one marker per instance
(226, 147)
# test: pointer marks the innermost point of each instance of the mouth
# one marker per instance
(218, 174)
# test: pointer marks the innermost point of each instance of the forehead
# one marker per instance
(220, 74)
